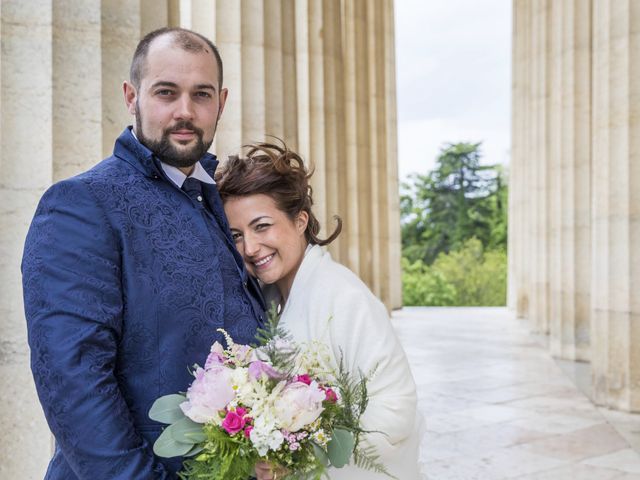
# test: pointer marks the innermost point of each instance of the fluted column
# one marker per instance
(120, 26)
(392, 288)
(516, 235)
(554, 193)
(27, 168)
(571, 279)
(77, 102)
(229, 41)
(538, 151)
(616, 205)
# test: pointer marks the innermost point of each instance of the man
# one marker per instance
(129, 269)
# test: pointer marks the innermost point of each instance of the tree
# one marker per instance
(458, 200)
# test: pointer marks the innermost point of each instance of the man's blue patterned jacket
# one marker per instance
(126, 280)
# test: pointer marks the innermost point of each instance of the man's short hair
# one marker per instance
(186, 39)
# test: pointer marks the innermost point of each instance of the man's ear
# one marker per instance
(130, 97)
(302, 221)
(222, 101)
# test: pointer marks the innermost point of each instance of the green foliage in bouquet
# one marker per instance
(224, 457)
(271, 337)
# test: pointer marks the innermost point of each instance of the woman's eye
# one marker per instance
(236, 236)
(262, 226)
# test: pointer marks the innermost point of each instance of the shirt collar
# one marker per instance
(178, 177)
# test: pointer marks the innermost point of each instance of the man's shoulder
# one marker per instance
(103, 180)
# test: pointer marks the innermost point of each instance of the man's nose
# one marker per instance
(184, 108)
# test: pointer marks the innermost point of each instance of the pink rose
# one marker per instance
(210, 392)
(299, 405)
(247, 430)
(306, 379)
(330, 396)
(233, 422)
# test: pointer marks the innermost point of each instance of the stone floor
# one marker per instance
(497, 405)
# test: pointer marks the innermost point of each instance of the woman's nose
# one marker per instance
(251, 246)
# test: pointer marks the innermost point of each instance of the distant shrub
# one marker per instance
(469, 276)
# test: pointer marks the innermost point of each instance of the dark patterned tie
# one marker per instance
(193, 188)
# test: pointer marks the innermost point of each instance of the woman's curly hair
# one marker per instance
(280, 173)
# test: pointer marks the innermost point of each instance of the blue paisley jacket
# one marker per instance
(126, 280)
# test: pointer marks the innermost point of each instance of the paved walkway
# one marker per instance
(497, 405)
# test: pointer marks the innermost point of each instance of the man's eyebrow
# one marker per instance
(164, 83)
(206, 86)
(200, 86)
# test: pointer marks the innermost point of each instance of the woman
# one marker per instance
(267, 200)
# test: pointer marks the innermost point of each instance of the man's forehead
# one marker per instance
(171, 57)
(185, 41)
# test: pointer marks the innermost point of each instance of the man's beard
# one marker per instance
(167, 152)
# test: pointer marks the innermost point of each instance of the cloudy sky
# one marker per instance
(454, 78)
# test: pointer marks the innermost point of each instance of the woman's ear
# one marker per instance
(301, 221)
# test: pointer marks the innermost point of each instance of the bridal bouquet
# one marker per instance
(277, 402)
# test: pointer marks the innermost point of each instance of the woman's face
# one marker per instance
(271, 244)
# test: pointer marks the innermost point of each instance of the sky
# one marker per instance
(453, 62)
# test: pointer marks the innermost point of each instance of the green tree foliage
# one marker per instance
(468, 276)
(458, 200)
(454, 231)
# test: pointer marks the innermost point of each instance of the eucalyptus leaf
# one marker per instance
(194, 451)
(340, 447)
(188, 431)
(320, 454)
(167, 409)
(166, 446)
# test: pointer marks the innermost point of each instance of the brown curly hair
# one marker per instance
(280, 173)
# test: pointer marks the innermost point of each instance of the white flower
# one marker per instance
(240, 383)
(321, 438)
(314, 359)
(299, 404)
(264, 436)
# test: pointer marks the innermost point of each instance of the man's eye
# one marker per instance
(164, 92)
(203, 94)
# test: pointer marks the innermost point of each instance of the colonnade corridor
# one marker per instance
(498, 406)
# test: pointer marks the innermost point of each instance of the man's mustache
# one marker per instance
(186, 125)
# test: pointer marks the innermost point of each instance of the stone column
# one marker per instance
(615, 335)
(537, 207)
(120, 26)
(336, 183)
(77, 102)
(516, 177)
(253, 72)
(391, 284)
(522, 213)
(570, 335)
(229, 41)
(26, 90)
(352, 226)
(554, 193)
